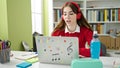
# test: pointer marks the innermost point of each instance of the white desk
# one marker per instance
(112, 53)
(107, 63)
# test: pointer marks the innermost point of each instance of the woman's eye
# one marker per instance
(71, 13)
(64, 14)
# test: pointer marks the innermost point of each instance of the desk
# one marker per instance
(107, 63)
(112, 53)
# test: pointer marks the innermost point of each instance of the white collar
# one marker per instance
(76, 30)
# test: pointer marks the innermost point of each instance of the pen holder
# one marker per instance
(5, 55)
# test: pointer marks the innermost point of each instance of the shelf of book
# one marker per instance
(106, 15)
(103, 16)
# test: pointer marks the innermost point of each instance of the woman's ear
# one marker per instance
(78, 16)
(62, 17)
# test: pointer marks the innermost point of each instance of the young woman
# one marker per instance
(73, 24)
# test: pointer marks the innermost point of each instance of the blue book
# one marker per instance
(23, 65)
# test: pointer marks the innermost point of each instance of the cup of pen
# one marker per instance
(5, 51)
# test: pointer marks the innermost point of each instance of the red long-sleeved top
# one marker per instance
(85, 35)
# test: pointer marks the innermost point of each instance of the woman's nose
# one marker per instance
(68, 16)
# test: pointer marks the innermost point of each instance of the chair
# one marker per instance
(34, 42)
(26, 46)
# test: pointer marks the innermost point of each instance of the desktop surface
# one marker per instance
(108, 62)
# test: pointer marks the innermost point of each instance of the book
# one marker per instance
(105, 14)
(119, 14)
(113, 14)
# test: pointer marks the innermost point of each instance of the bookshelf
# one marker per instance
(103, 15)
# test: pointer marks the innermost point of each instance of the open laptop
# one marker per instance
(57, 50)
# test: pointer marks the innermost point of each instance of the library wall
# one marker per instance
(102, 15)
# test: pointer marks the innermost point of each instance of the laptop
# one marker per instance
(57, 50)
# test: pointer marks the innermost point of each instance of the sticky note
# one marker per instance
(32, 60)
(23, 65)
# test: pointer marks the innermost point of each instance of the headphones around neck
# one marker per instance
(76, 5)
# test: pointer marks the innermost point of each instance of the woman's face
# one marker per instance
(69, 17)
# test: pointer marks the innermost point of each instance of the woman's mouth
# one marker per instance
(68, 21)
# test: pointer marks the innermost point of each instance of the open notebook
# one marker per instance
(22, 55)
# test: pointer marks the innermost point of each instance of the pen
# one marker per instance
(0, 45)
(7, 43)
(3, 45)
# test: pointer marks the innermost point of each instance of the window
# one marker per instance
(36, 6)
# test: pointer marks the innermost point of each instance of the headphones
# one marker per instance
(78, 16)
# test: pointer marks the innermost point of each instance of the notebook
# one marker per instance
(25, 55)
(57, 50)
